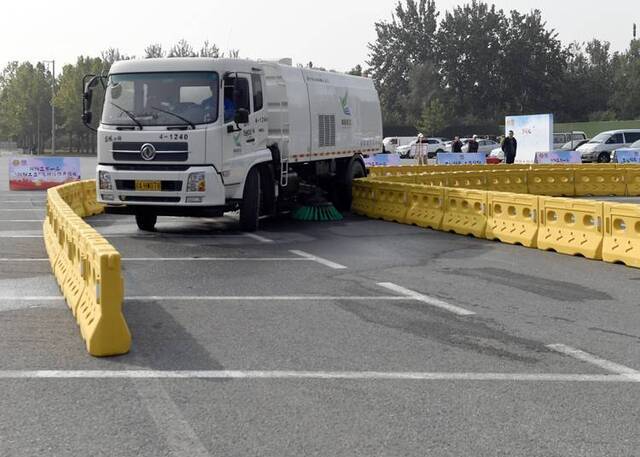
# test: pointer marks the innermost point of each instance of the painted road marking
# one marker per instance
(262, 239)
(593, 360)
(320, 260)
(317, 375)
(426, 299)
(230, 298)
(180, 437)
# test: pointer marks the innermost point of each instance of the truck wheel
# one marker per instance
(250, 205)
(604, 157)
(353, 170)
(146, 221)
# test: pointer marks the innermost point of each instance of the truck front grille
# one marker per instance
(165, 152)
(131, 198)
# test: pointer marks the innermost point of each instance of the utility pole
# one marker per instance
(53, 108)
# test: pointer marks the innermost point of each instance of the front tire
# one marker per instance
(354, 169)
(146, 222)
(250, 205)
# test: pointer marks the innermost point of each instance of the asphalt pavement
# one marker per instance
(350, 338)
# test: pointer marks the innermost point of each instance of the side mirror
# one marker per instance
(242, 116)
(87, 98)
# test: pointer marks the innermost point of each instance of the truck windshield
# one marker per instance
(157, 99)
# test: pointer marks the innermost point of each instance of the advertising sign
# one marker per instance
(627, 155)
(558, 157)
(39, 173)
(461, 158)
(534, 134)
(382, 159)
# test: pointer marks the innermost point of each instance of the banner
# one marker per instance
(627, 156)
(382, 159)
(461, 158)
(533, 133)
(558, 157)
(39, 173)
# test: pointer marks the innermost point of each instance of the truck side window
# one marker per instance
(236, 96)
(256, 82)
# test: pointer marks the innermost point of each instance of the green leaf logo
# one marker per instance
(344, 101)
(236, 139)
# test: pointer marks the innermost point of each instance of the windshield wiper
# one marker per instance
(193, 126)
(129, 114)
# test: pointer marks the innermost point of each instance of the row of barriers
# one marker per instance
(594, 229)
(587, 180)
(87, 268)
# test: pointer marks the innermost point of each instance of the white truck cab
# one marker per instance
(200, 136)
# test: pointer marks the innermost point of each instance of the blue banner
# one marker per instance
(461, 158)
(558, 157)
(627, 155)
(382, 159)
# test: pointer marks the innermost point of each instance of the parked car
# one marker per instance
(485, 146)
(434, 146)
(572, 145)
(559, 139)
(391, 144)
(599, 148)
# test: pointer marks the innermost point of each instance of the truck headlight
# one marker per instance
(104, 178)
(196, 182)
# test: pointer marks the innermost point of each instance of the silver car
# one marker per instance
(600, 147)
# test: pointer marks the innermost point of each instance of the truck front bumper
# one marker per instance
(173, 185)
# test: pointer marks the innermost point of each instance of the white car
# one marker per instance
(485, 146)
(433, 146)
(599, 148)
(392, 143)
(496, 156)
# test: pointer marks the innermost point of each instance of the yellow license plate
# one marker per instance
(153, 186)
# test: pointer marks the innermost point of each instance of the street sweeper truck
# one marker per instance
(200, 136)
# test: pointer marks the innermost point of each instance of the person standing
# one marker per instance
(473, 144)
(510, 148)
(456, 146)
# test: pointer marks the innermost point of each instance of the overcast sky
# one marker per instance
(331, 33)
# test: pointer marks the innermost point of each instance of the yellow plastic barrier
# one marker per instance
(622, 234)
(467, 180)
(363, 198)
(631, 175)
(432, 179)
(599, 180)
(513, 218)
(465, 212)
(514, 181)
(87, 269)
(425, 206)
(391, 202)
(551, 181)
(571, 226)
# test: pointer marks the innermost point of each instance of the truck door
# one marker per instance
(238, 144)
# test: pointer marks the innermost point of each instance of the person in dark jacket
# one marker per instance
(510, 147)
(473, 144)
(456, 146)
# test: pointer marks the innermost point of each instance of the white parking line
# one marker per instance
(262, 239)
(314, 375)
(426, 299)
(593, 360)
(180, 437)
(320, 260)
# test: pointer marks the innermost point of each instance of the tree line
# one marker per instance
(26, 96)
(440, 74)
(476, 64)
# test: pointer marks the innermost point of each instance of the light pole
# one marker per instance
(53, 108)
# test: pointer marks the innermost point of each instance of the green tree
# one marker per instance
(209, 50)
(401, 44)
(182, 49)
(626, 80)
(154, 51)
(356, 71)
(433, 119)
